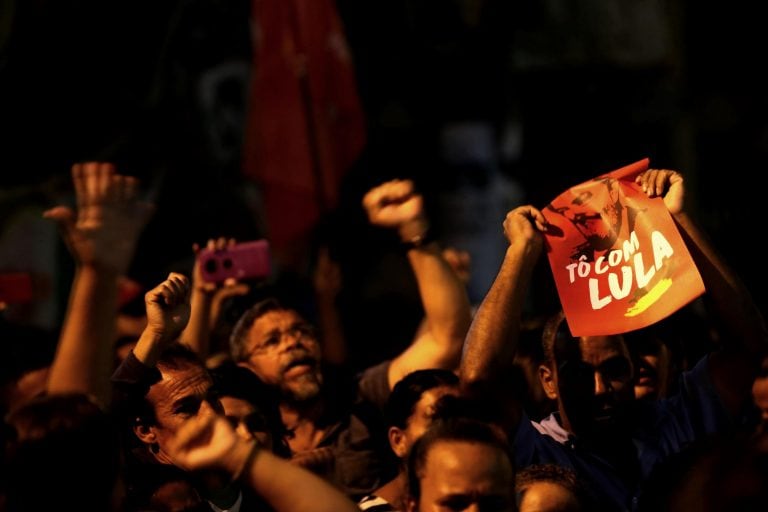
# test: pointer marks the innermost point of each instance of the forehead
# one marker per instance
(595, 349)
(275, 319)
(460, 467)
(546, 495)
(179, 383)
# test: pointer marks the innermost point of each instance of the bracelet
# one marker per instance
(417, 241)
(254, 451)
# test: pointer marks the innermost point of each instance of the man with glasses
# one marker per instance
(336, 430)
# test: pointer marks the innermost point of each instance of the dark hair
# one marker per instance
(133, 405)
(238, 339)
(555, 329)
(557, 340)
(485, 409)
(556, 474)
(456, 429)
(63, 454)
(546, 473)
(409, 390)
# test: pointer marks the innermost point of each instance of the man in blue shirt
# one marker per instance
(613, 441)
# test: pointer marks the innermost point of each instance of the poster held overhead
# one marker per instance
(616, 255)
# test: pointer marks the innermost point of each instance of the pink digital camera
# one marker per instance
(247, 260)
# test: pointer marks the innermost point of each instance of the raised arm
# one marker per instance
(101, 236)
(745, 338)
(206, 301)
(168, 311)
(209, 442)
(495, 329)
(397, 205)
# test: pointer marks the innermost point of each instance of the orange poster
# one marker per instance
(617, 257)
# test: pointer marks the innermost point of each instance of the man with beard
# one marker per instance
(611, 440)
(186, 454)
(335, 425)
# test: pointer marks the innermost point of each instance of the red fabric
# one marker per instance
(304, 111)
(620, 263)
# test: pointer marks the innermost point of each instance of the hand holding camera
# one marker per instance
(223, 261)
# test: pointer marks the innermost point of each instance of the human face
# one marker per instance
(247, 421)
(594, 385)
(419, 421)
(181, 394)
(548, 497)
(465, 476)
(284, 352)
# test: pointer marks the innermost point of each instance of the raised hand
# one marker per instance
(200, 285)
(665, 183)
(208, 299)
(207, 442)
(214, 293)
(101, 235)
(447, 313)
(104, 230)
(525, 224)
(396, 204)
(168, 307)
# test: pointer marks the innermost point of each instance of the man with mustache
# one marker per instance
(613, 441)
(335, 430)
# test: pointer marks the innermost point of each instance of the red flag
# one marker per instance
(305, 124)
(620, 263)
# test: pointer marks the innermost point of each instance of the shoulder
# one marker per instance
(373, 384)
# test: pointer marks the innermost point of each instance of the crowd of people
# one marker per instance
(489, 408)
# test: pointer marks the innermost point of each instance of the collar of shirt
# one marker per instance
(234, 508)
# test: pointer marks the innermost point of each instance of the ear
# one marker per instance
(397, 442)
(144, 432)
(548, 382)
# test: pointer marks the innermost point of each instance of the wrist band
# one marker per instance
(418, 241)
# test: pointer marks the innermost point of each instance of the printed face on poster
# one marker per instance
(617, 257)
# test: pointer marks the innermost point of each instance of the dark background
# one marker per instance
(585, 88)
